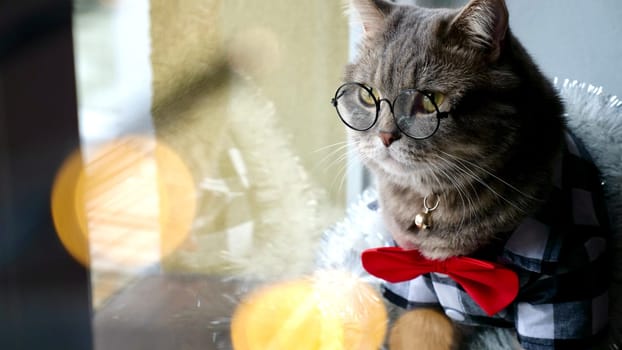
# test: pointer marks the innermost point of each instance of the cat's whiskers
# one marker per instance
(344, 173)
(468, 206)
(336, 151)
(344, 165)
(464, 169)
(467, 203)
(434, 173)
(467, 180)
(340, 176)
(340, 159)
(336, 144)
(463, 161)
(339, 173)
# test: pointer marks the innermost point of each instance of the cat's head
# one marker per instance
(470, 73)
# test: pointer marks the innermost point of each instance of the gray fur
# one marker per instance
(491, 160)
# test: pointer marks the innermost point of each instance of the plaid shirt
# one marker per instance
(561, 258)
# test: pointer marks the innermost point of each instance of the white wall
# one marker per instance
(574, 39)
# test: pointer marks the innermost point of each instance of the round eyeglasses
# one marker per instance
(416, 113)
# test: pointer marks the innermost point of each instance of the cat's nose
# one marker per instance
(389, 137)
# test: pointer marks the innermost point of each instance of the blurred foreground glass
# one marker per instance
(199, 166)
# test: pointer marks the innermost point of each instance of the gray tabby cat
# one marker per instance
(466, 139)
(489, 164)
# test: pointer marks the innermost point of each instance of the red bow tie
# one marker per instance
(492, 286)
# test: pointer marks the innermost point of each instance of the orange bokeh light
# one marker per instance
(332, 310)
(127, 206)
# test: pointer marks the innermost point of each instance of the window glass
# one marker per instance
(211, 150)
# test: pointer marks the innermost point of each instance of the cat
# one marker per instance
(478, 152)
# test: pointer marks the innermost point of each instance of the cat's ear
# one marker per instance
(483, 24)
(371, 13)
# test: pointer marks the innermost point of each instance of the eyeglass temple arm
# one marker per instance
(333, 100)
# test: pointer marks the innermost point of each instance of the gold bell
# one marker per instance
(423, 220)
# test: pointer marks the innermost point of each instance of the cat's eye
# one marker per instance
(367, 97)
(357, 105)
(433, 100)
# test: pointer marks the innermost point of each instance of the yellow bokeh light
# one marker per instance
(131, 203)
(333, 310)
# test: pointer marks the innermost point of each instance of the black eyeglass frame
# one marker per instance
(439, 115)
